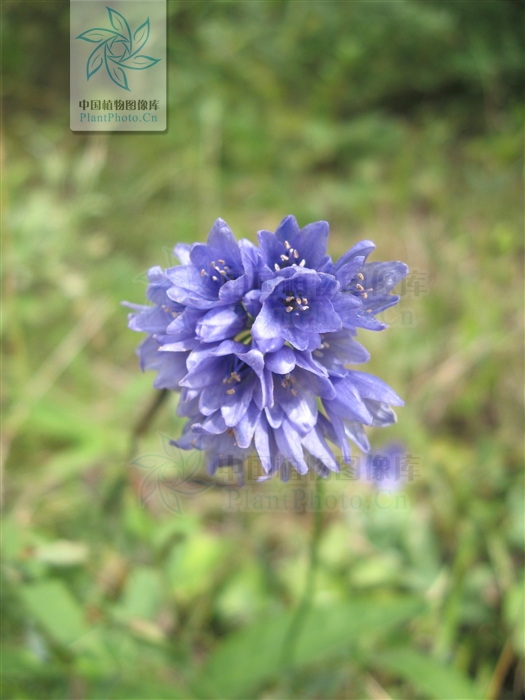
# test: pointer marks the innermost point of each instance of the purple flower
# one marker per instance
(258, 341)
(297, 307)
(384, 468)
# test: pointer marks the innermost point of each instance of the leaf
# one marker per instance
(194, 564)
(140, 62)
(141, 36)
(142, 595)
(115, 72)
(119, 22)
(62, 553)
(427, 675)
(95, 61)
(247, 659)
(97, 34)
(53, 606)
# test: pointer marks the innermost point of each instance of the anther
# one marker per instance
(296, 253)
(302, 263)
(221, 262)
(304, 308)
(365, 295)
(276, 267)
(284, 258)
(286, 245)
(212, 264)
(289, 309)
(235, 376)
(215, 279)
(305, 300)
(294, 392)
(360, 288)
(290, 298)
(230, 391)
(360, 275)
(298, 300)
(203, 273)
(318, 353)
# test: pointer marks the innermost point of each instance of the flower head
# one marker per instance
(258, 340)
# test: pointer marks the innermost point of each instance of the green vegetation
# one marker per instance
(400, 122)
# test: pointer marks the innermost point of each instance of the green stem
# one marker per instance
(114, 497)
(243, 337)
(142, 425)
(298, 618)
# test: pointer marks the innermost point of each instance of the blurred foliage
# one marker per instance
(396, 121)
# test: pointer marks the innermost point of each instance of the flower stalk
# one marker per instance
(301, 613)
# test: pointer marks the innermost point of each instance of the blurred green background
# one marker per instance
(401, 122)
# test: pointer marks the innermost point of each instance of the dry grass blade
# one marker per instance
(47, 374)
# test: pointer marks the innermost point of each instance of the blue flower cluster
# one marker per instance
(258, 339)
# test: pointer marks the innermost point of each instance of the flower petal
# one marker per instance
(237, 404)
(182, 252)
(280, 362)
(363, 248)
(245, 428)
(370, 387)
(348, 403)
(356, 433)
(221, 322)
(287, 230)
(311, 243)
(221, 238)
(289, 443)
(382, 277)
(299, 406)
(190, 288)
(266, 324)
(316, 445)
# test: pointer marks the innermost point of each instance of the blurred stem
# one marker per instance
(294, 631)
(501, 670)
(146, 419)
(141, 427)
